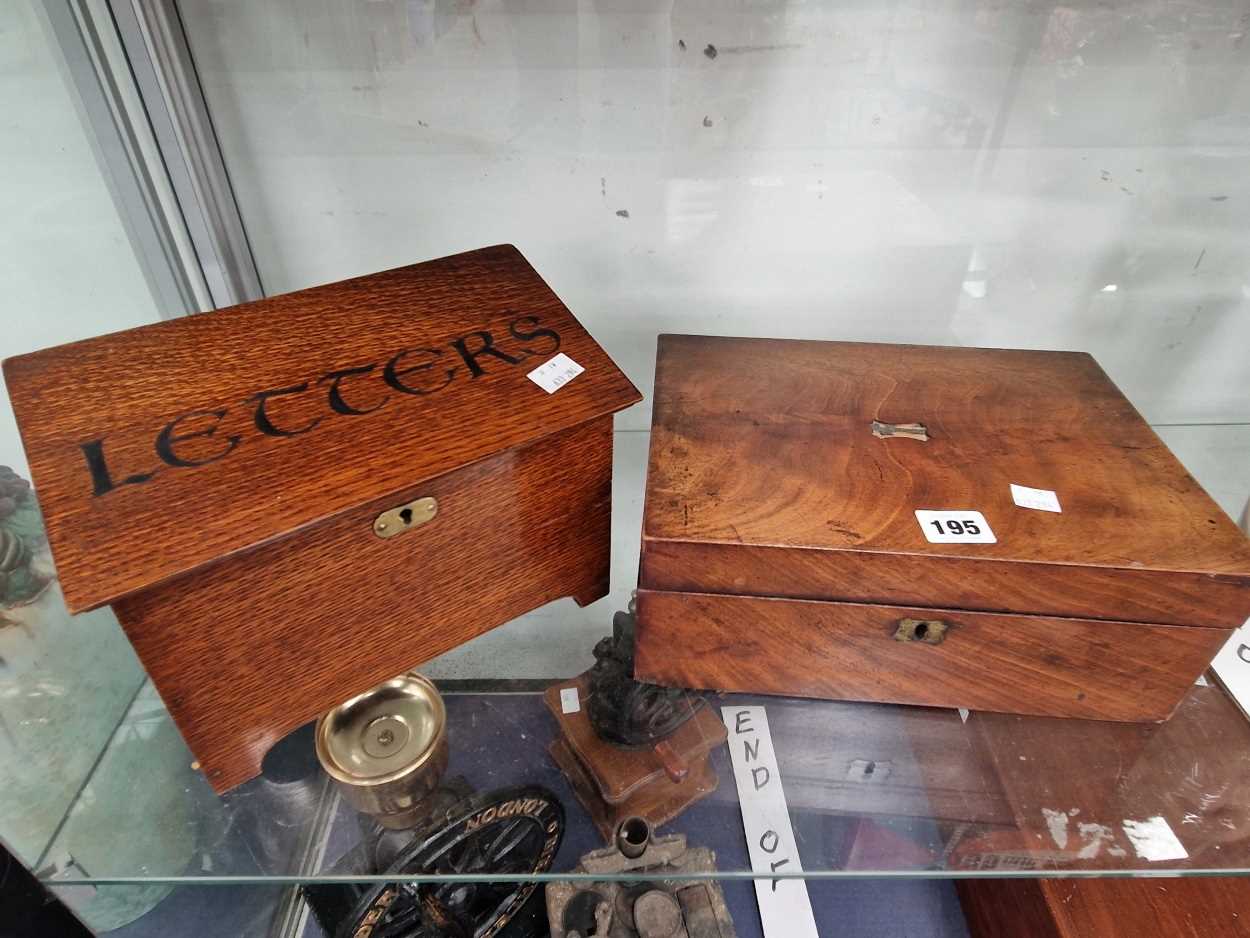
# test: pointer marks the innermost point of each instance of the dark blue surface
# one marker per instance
(500, 740)
(503, 741)
(206, 912)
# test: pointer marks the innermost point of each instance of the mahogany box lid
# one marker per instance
(766, 478)
(157, 450)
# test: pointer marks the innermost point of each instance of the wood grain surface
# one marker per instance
(620, 772)
(765, 478)
(161, 449)
(1072, 784)
(917, 579)
(257, 644)
(1193, 907)
(659, 804)
(1007, 663)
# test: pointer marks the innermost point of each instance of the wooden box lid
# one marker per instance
(160, 449)
(766, 479)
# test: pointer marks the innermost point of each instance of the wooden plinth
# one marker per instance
(613, 783)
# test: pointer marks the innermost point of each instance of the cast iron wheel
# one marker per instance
(509, 831)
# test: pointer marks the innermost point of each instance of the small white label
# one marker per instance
(568, 700)
(963, 714)
(785, 909)
(1232, 667)
(556, 373)
(1037, 499)
(1153, 839)
(955, 527)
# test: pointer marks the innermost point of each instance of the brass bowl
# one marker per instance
(387, 748)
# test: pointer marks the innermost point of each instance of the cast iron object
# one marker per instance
(512, 831)
(626, 712)
(384, 845)
(666, 904)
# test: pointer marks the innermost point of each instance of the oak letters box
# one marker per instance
(838, 520)
(290, 501)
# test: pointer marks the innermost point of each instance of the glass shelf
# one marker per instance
(102, 798)
(873, 790)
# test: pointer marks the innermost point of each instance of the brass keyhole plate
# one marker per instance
(403, 518)
(929, 631)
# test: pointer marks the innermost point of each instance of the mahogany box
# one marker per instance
(954, 527)
(290, 501)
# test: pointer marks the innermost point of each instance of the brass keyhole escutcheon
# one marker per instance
(403, 518)
(929, 631)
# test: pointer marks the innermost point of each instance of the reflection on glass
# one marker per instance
(68, 272)
(871, 788)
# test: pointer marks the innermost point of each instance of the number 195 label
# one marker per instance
(955, 527)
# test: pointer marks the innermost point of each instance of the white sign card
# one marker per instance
(568, 700)
(1232, 667)
(785, 908)
(555, 373)
(955, 527)
(1037, 499)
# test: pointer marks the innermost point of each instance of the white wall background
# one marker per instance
(66, 267)
(952, 172)
(956, 172)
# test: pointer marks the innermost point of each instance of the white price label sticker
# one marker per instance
(1153, 839)
(556, 373)
(568, 700)
(955, 527)
(1037, 499)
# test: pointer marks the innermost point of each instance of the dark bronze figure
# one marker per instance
(630, 748)
(626, 712)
